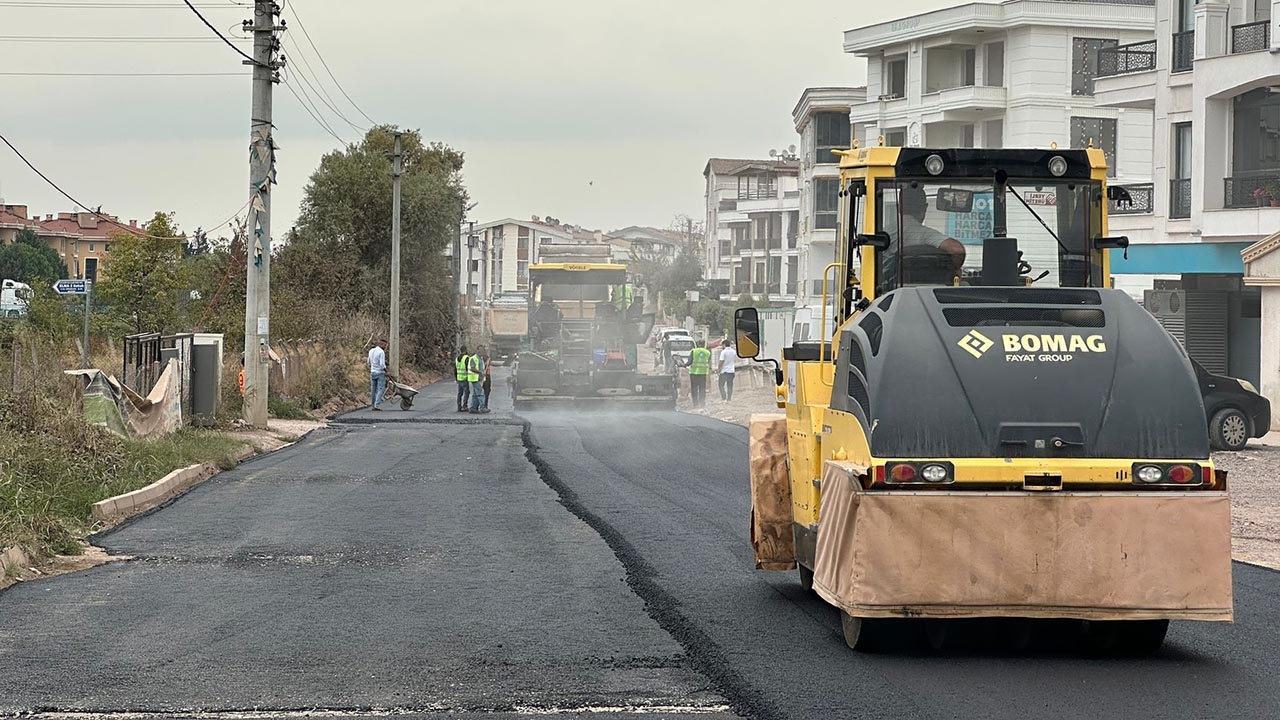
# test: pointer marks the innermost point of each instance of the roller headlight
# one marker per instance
(934, 473)
(934, 164)
(1058, 166)
(1150, 474)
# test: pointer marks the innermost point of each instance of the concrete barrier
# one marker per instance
(157, 493)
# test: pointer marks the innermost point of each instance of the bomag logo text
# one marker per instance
(1049, 347)
(1034, 347)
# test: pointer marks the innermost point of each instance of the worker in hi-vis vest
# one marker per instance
(460, 372)
(699, 368)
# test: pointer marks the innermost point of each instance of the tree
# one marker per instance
(143, 281)
(30, 260)
(337, 261)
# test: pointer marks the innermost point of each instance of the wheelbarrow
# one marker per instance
(402, 391)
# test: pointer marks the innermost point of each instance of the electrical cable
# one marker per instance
(123, 74)
(289, 86)
(330, 103)
(96, 213)
(319, 55)
(225, 39)
(108, 39)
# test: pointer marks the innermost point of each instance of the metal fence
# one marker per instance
(182, 348)
(1143, 196)
(1134, 57)
(1184, 51)
(1180, 198)
(1251, 37)
(1250, 190)
(141, 362)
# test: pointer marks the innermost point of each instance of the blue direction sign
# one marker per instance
(72, 287)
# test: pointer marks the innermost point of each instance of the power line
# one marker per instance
(289, 86)
(329, 102)
(306, 34)
(43, 4)
(218, 32)
(123, 74)
(107, 39)
(97, 214)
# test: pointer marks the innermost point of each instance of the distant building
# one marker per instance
(821, 118)
(1211, 79)
(496, 255)
(82, 239)
(647, 242)
(753, 222)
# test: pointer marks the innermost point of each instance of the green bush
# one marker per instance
(54, 467)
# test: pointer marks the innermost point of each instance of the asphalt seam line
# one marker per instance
(704, 653)
(373, 712)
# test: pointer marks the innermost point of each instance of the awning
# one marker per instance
(1178, 258)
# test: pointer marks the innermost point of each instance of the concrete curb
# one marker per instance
(12, 558)
(157, 493)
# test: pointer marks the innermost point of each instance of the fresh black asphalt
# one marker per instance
(587, 565)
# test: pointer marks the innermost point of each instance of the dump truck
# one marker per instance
(585, 320)
(15, 299)
(989, 430)
(508, 325)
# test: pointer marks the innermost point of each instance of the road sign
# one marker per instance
(72, 287)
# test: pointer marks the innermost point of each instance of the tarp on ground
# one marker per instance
(771, 534)
(118, 408)
(1089, 555)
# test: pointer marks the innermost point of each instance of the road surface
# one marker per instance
(448, 565)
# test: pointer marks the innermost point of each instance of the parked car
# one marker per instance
(1234, 408)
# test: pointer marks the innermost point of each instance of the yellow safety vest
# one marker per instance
(623, 297)
(460, 366)
(473, 372)
(700, 361)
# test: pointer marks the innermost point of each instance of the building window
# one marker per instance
(831, 132)
(91, 247)
(966, 135)
(757, 187)
(741, 237)
(969, 68)
(1180, 183)
(895, 78)
(726, 247)
(1101, 132)
(993, 134)
(826, 203)
(896, 137)
(994, 66)
(793, 270)
(793, 227)
(1084, 63)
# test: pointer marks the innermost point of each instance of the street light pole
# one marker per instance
(397, 169)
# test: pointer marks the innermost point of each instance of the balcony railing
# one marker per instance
(1258, 190)
(1180, 198)
(1251, 37)
(1184, 51)
(1142, 194)
(1131, 58)
(764, 192)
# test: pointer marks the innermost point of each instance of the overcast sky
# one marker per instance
(596, 112)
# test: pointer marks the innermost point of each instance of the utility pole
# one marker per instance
(471, 246)
(397, 169)
(262, 156)
(457, 278)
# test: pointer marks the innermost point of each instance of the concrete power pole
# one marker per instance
(262, 155)
(397, 169)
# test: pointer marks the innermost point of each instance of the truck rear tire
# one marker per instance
(806, 577)
(1126, 638)
(862, 634)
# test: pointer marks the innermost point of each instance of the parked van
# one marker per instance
(15, 298)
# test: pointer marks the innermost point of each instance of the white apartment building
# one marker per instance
(496, 255)
(1015, 74)
(753, 219)
(1211, 79)
(821, 119)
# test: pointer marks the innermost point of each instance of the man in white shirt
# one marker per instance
(727, 367)
(378, 373)
(915, 205)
